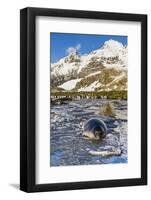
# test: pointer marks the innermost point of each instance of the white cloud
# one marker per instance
(73, 49)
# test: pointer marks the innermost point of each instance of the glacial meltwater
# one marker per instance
(69, 147)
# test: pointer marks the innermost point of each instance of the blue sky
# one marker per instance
(63, 43)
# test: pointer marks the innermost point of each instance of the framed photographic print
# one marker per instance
(83, 99)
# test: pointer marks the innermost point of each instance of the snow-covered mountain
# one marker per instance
(102, 69)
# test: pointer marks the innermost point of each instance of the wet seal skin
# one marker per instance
(94, 129)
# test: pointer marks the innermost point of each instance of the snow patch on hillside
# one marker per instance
(69, 85)
(93, 74)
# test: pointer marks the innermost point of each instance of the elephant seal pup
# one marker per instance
(94, 129)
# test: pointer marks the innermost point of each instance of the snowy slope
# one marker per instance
(69, 85)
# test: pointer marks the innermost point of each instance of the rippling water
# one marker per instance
(67, 145)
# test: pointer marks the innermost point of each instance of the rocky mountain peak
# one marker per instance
(104, 68)
(112, 45)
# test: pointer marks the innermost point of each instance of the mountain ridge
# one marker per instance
(102, 69)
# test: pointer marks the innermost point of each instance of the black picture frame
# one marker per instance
(28, 99)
